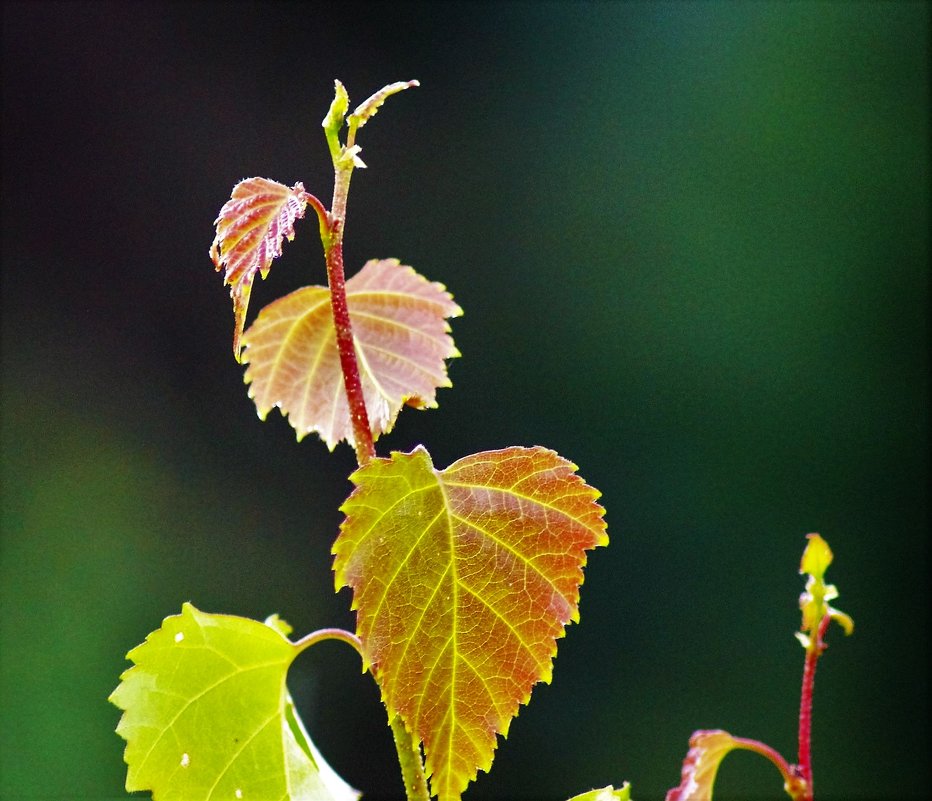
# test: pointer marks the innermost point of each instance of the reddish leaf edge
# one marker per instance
(381, 421)
(250, 230)
(708, 748)
(371, 664)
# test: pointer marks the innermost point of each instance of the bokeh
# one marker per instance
(692, 243)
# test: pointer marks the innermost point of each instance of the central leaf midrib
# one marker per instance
(454, 594)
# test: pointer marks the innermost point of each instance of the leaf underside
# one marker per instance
(463, 579)
(250, 230)
(707, 749)
(402, 341)
(207, 716)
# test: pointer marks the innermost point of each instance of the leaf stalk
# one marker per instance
(409, 758)
(330, 634)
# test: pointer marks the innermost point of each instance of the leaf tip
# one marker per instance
(813, 603)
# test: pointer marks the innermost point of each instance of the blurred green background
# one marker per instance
(692, 244)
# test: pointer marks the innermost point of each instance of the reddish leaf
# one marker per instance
(402, 340)
(463, 579)
(707, 749)
(250, 229)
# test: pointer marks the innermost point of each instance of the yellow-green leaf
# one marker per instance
(609, 793)
(463, 579)
(207, 716)
(250, 229)
(813, 603)
(334, 119)
(707, 749)
(402, 341)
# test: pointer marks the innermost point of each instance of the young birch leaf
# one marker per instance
(207, 715)
(814, 601)
(334, 119)
(250, 229)
(609, 793)
(463, 579)
(707, 749)
(370, 106)
(402, 339)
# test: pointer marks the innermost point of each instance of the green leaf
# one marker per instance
(207, 715)
(814, 601)
(333, 122)
(609, 793)
(402, 342)
(463, 579)
(251, 227)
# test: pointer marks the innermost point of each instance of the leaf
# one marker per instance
(814, 601)
(463, 579)
(609, 793)
(334, 119)
(402, 340)
(207, 715)
(250, 229)
(707, 749)
(368, 108)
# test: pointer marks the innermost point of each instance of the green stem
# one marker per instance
(412, 766)
(330, 634)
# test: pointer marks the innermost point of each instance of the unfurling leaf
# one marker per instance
(402, 339)
(207, 715)
(814, 601)
(368, 108)
(334, 119)
(707, 749)
(250, 229)
(463, 579)
(623, 793)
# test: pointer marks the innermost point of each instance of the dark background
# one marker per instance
(691, 240)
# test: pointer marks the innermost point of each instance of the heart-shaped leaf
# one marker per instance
(207, 715)
(250, 229)
(463, 579)
(402, 339)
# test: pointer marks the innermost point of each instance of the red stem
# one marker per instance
(362, 433)
(805, 707)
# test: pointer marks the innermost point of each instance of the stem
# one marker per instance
(805, 707)
(333, 252)
(409, 754)
(412, 766)
(330, 634)
(768, 753)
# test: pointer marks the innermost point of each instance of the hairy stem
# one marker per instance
(409, 754)
(412, 766)
(791, 780)
(813, 652)
(330, 634)
(346, 345)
